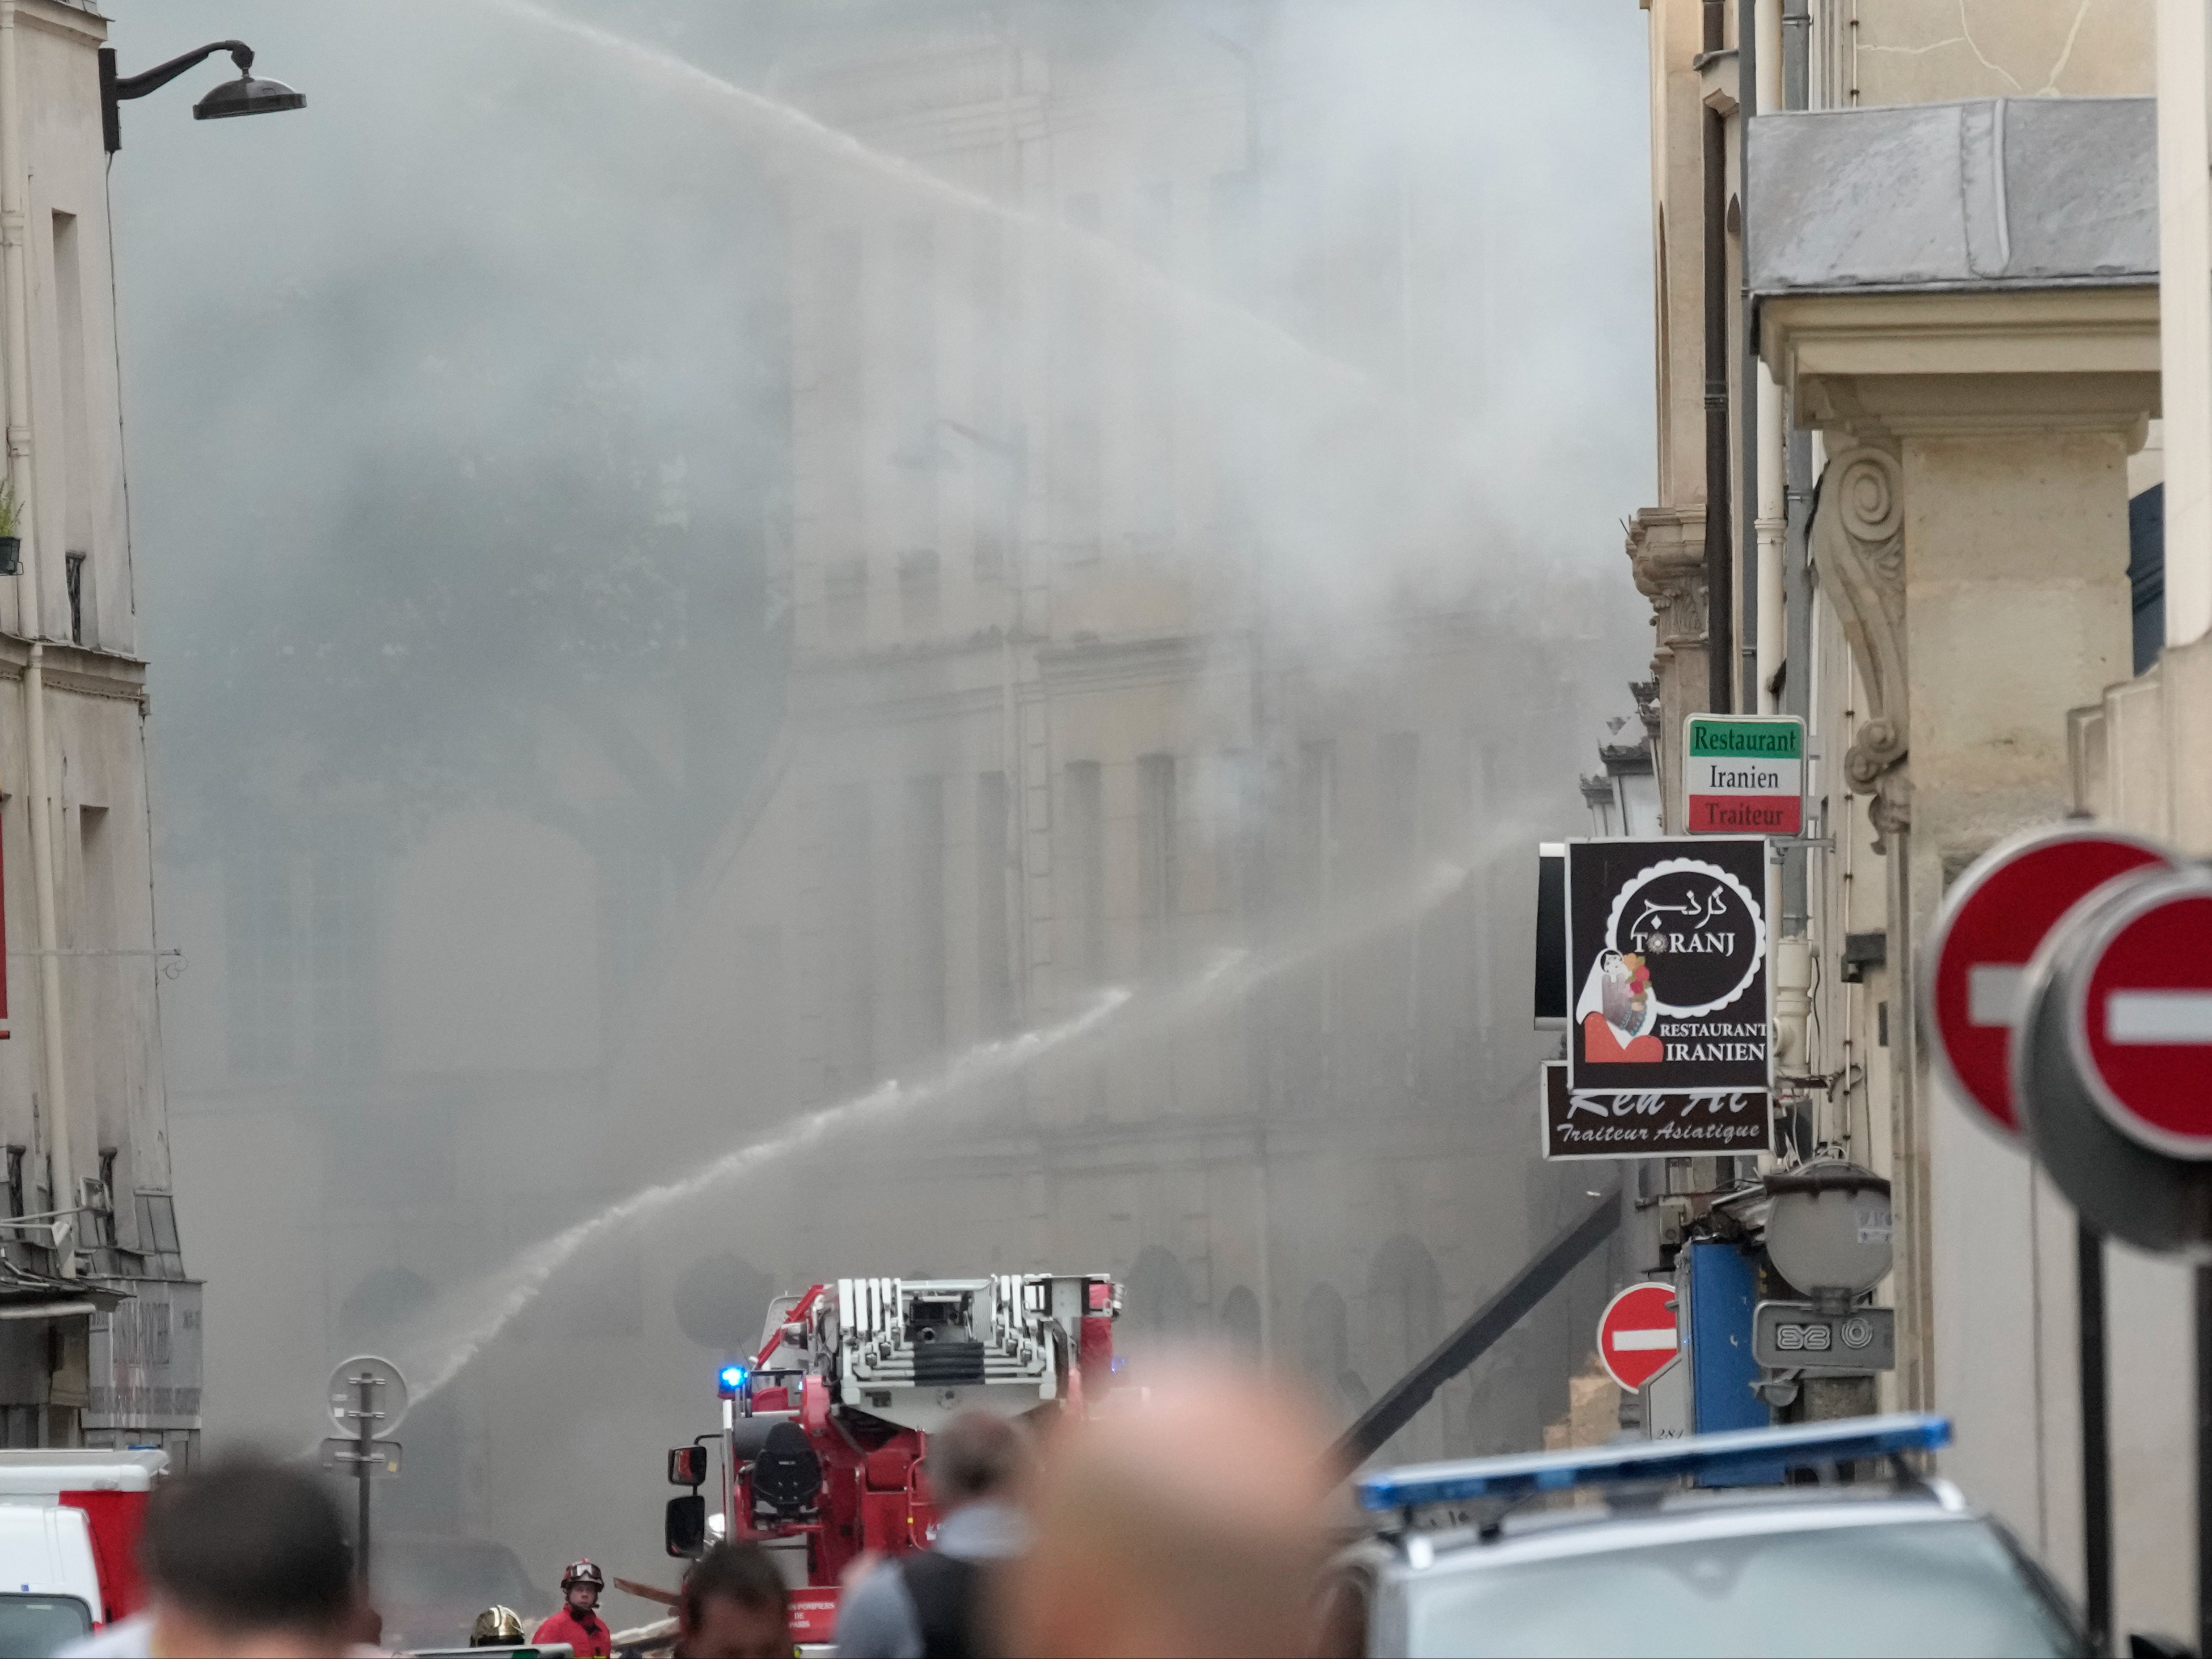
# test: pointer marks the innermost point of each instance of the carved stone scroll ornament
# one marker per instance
(1859, 548)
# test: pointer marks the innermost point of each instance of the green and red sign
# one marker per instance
(1744, 774)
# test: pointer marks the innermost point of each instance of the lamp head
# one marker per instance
(247, 95)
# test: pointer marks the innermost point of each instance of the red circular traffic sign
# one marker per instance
(1995, 916)
(1637, 1334)
(2139, 1015)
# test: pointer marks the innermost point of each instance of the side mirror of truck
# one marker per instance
(685, 1528)
(687, 1465)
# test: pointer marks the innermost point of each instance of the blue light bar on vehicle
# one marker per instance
(1742, 1454)
(732, 1380)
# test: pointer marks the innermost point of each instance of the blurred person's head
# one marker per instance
(1189, 1523)
(246, 1557)
(976, 1455)
(734, 1605)
(581, 1584)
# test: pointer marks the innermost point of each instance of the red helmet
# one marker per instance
(582, 1573)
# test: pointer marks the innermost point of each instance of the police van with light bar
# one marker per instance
(1694, 1546)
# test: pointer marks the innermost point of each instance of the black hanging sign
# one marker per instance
(1678, 1124)
(1666, 969)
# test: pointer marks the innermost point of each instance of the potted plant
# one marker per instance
(11, 529)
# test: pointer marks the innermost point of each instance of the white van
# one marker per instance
(49, 1585)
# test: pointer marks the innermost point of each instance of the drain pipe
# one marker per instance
(1720, 552)
(14, 226)
(1759, 62)
(1797, 505)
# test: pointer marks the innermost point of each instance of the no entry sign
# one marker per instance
(1744, 774)
(2139, 1015)
(1637, 1335)
(1993, 919)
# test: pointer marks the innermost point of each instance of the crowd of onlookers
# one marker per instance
(1189, 1522)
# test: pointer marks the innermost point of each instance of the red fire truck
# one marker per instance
(824, 1431)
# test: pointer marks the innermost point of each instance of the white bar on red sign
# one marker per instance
(1993, 992)
(2158, 1016)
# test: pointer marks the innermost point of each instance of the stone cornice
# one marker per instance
(72, 668)
(1967, 361)
(1667, 550)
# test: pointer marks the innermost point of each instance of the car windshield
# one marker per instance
(1915, 1588)
(41, 1624)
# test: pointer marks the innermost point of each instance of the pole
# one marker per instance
(1750, 641)
(2096, 1436)
(1720, 550)
(365, 1432)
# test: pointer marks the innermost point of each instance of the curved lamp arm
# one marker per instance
(114, 88)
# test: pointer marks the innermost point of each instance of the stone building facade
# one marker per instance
(83, 1109)
(1045, 739)
(1930, 558)
(1046, 736)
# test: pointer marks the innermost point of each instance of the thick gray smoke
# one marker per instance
(485, 435)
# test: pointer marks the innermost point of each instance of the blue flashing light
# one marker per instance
(1741, 1454)
(1120, 1362)
(733, 1379)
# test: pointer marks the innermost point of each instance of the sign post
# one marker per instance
(2111, 1063)
(366, 1394)
(1638, 1334)
(1744, 774)
(1995, 917)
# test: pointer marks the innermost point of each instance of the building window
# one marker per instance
(916, 454)
(1159, 867)
(1153, 504)
(263, 943)
(993, 941)
(845, 596)
(1078, 460)
(997, 469)
(1086, 807)
(302, 948)
(849, 888)
(631, 889)
(1398, 760)
(77, 470)
(925, 907)
(919, 604)
(1404, 1305)
(157, 1236)
(73, 574)
(340, 911)
(839, 439)
(1240, 1327)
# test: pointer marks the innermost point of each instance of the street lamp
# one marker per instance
(244, 96)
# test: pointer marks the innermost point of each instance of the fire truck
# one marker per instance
(824, 1431)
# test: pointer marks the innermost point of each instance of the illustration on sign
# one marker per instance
(1667, 961)
(1744, 774)
(1675, 1123)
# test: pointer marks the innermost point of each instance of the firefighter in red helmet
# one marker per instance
(578, 1623)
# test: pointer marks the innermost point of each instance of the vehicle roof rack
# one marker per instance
(1734, 1454)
